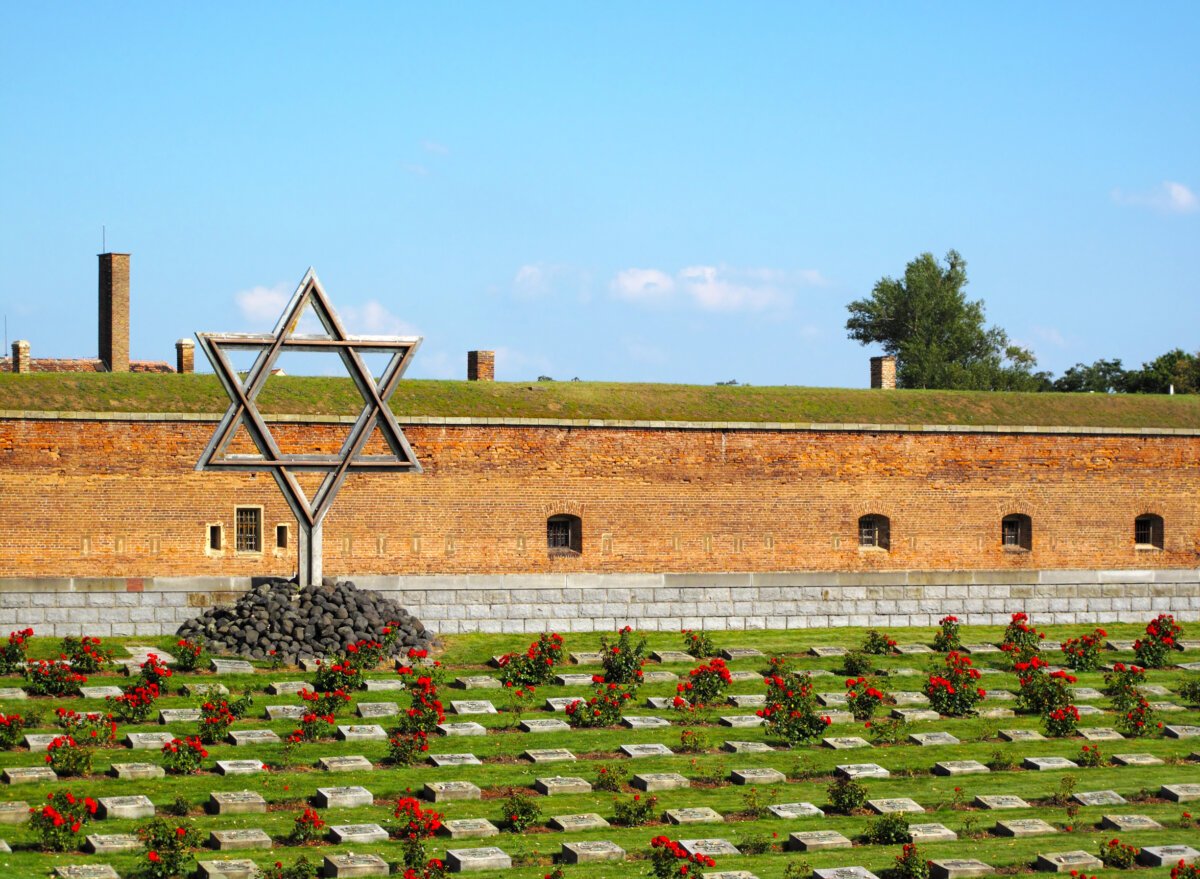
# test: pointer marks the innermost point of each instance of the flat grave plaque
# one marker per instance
(345, 864)
(242, 738)
(374, 710)
(701, 815)
(1021, 735)
(997, 713)
(1044, 764)
(913, 649)
(204, 690)
(711, 847)
(843, 873)
(126, 807)
(1000, 696)
(831, 699)
(230, 667)
(466, 728)
(1168, 855)
(659, 677)
(559, 784)
(357, 833)
(824, 652)
(931, 833)
(1166, 707)
(459, 860)
(454, 760)
(40, 741)
(741, 721)
(747, 747)
(1154, 690)
(1181, 732)
(1023, 827)
(239, 868)
(893, 805)
(1099, 798)
(473, 706)
(1186, 644)
(740, 677)
(838, 716)
(239, 767)
(732, 653)
(1129, 823)
(385, 685)
(1086, 694)
(673, 656)
(448, 791)
(284, 712)
(148, 741)
(560, 703)
(747, 700)
(238, 840)
(544, 726)
(1180, 793)
(86, 871)
(655, 749)
(909, 697)
(728, 874)
(792, 811)
(14, 812)
(346, 763)
(581, 821)
(979, 647)
(478, 682)
(468, 828)
(549, 755)
(816, 840)
(959, 767)
(1119, 646)
(236, 802)
(757, 776)
(930, 739)
(590, 658)
(915, 715)
(361, 732)
(862, 770)
(1136, 760)
(658, 702)
(1100, 734)
(112, 843)
(591, 852)
(573, 680)
(644, 722)
(97, 692)
(28, 774)
(1088, 711)
(13, 693)
(1061, 862)
(656, 781)
(845, 743)
(1000, 801)
(287, 688)
(959, 868)
(142, 652)
(1190, 666)
(347, 797)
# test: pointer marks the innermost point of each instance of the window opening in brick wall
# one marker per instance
(1148, 531)
(248, 533)
(214, 538)
(564, 535)
(1016, 532)
(874, 532)
(281, 536)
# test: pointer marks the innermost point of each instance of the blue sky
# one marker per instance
(684, 192)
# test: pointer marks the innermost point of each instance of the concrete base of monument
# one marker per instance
(651, 602)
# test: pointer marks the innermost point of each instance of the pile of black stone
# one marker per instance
(313, 621)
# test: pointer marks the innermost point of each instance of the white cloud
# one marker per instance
(374, 318)
(1169, 197)
(717, 289)
(416, 170)
(432, 146)
(263, 304)
(1050, 335)
(535, 280)
(642, 285)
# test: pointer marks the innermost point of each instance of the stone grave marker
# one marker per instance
(588, 658)
(238, 840)
(903, 672)
(825, 652)
(1062, 862)
(28, 774)
(13, 693)
(741, 721)
(732, 653)
(1022, 827)
(448, 791)
(242, 738)
(747, 747)
(659, 677)
(656, 781)
(360, 834)
(862, 770)
(1100, 734)
(644, 722)
(1099, 798)
(1181, 732)
(1021, 735)
(345, 864)
(346, 763)
(466, 728)
(14, 812)
(959, 767)
(845, 743)
(86, 871)
(714, 848)
(204, 690)
(558, 784)
(655, 749)
(1088, 711)
(930, 739)
(544, 726)
(375, 710)
(591, 852)
(1129, 823)
(978, 648)
(560, 703)
(287, 688)
(343, 797)
(142, 652)
(816, 840)
(582, 821)
(915, 715)
(136, 771)
(478, 682)
(997, 713)
(230, 667)
(1000, 801)
(843, 873)
(454, 760)
(1168, 855)
(490, 858)
(112, 843)
(284, 712)
(1043, 764)
(1180, 793)
(728, 874)
(673, 656)
(1188, 644)
(236, 802)
(1086, 694)
(701, 815)
(747, 700)
(239, 868)
(792, 811)
(1154, 690)
(838, 716)
(913, 649)
(97, 692)
(958, 868)
(757, 776)
(468, 828)
(40, 741)
(831, 699)
(892, 805)
(659, 702)
(239, 767)
(548, 755)
(1000, 696)
(1136, 760)
(909, 697)
(1166, 707)
(1190, 666)
(740, 677)
(931, 833)
(573, 680)
(1119, 646)
(385, 685)
(473, 706)
(361, 732)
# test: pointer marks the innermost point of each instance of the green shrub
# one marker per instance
(846, 796)
(889, 829)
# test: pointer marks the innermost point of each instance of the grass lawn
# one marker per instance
(808, 767)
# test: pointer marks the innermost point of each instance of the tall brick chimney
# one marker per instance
(20, 357)
(185, 356)
(481, 366)
(114, 311)
(883, 373)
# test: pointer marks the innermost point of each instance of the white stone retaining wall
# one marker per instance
(651, 602)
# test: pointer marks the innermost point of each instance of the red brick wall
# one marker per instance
(93, 498)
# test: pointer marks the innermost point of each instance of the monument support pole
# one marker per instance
(309, 546)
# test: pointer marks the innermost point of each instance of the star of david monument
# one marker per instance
(243, 412)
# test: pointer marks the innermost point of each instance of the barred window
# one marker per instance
(564, 535)
(1016, 532)
(874, 531)
(1148, 531)
(248, 535)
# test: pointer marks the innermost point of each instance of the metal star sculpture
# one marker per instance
(243, 411)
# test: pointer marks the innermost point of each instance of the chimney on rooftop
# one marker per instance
(883, 373)
(481, 366)
(114, 311)
(20, 356)
(185, 356)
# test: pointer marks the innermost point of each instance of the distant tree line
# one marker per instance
(940, 340)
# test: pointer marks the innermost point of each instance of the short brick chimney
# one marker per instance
(883, 373)
(185, 356)
(20, 357)
(481, 366)
(114, 311)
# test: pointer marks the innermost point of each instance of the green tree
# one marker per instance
(1175, 368)
(1101, 377)
(938, 337)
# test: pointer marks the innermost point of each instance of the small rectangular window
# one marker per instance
(214, 538)
(248, 537)
(281, 536)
